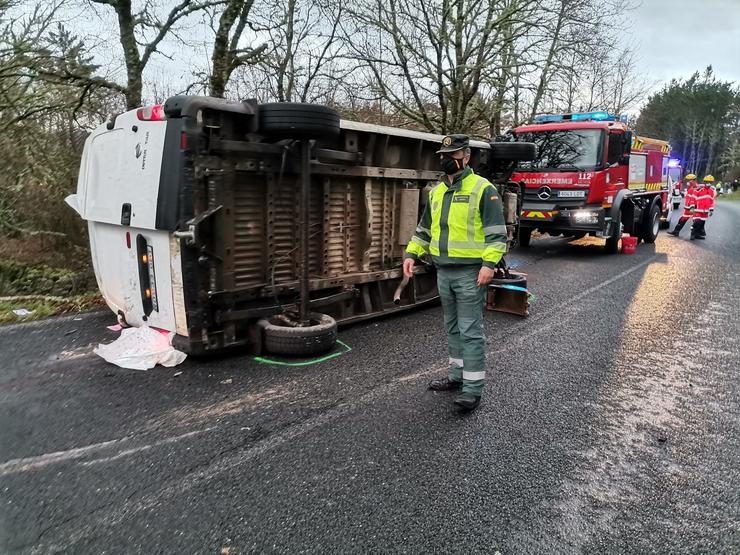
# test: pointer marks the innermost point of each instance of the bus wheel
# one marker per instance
(294, 120)
(282, 338)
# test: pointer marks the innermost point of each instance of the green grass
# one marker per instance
(730, 196)
(45, 306)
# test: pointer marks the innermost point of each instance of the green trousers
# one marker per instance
(462, 303)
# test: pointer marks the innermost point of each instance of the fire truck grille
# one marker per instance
(532, 196)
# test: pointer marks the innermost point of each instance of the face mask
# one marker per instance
(450, 165)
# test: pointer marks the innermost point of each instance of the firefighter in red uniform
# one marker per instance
(688, 205)
(704, 199)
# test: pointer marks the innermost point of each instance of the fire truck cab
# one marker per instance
(592, 176)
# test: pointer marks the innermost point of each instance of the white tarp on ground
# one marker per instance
(141, 349)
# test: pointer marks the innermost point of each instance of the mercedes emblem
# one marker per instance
(544, 192)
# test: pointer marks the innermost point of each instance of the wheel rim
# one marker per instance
(656, 223)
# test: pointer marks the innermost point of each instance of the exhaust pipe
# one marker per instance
(399, 290)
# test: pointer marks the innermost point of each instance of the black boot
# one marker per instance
(466, 402)
(696, 230)
(700, 232)
(678, 228)
(445, 384)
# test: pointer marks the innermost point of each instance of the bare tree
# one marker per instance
(576, 33)
(140, 33)
(429, 60)
(227, 55)
(301, 60)
(41, 113)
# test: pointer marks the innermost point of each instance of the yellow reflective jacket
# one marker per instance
(462, 223)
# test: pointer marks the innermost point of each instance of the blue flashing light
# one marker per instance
(548, 118)
(674, 163)
(582, 116)
(595, 116)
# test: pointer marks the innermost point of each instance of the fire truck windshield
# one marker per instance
(572, 149)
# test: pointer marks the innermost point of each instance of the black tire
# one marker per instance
(513, 151)
(292, 120)
(516, 279)
(316, 339)
(612, 242)
(650, 224)
(525, 236)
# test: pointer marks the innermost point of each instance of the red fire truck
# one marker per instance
(591, 176)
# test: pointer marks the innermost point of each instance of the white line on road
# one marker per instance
(185, 483)
(134, 450)
(16, 466)
(33, 463)
(556, 310)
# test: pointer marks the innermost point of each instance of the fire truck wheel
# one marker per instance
(513, 151)
(318, 338)
(294, 120)
(612, 243)
(650, 224)
(525, 236)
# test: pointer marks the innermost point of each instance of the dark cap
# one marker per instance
(451, 143)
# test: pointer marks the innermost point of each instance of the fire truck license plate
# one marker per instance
(571, 194)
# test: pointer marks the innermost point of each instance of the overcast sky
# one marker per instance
(678, 37)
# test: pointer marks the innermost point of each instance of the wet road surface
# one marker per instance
(610, 423)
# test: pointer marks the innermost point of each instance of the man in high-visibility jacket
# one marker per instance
(703, 207)
(464, 231)
(688, 205)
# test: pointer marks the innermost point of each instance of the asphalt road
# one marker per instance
(610, 424)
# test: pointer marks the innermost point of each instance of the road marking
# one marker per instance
(33, 463)
(539, 317)
(180, 485)
(28, 464)
(127, 452)
(15, 466)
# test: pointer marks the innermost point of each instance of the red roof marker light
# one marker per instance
(151, 113)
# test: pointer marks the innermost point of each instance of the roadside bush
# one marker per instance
(21, 279)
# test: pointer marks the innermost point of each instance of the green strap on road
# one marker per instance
(347, 349)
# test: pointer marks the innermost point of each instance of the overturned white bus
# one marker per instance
(235, 224)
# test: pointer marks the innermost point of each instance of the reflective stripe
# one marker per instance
(473, 206)
(498, 229)
(457, 362)
(466, 245)
(501, 247)
(474, 375)
(419, 241)
(420, 229)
